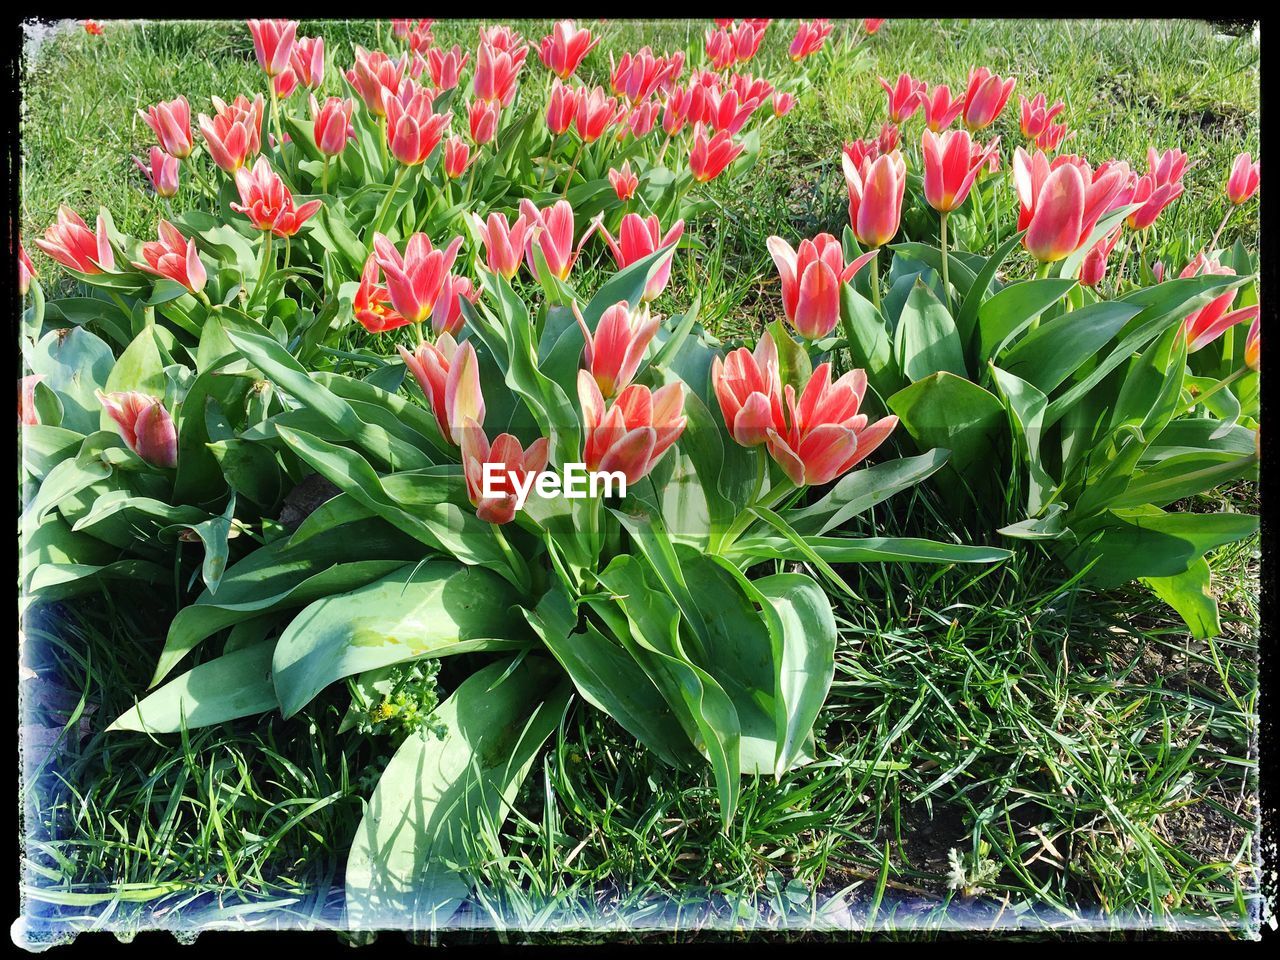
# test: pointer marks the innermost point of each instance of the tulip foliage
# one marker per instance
(285, 410)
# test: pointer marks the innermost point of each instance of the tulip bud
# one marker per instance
(145, 425)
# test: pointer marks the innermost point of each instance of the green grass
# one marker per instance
(1098, 757)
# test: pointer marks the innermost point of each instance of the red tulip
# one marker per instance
(414, 129)
(614, 352)
(675, 110)
(415, 280)
(1214, 319)
(749, 390)
(283, 84)
(273, 42)
(161, 171)
(497, 72)
(746, 38)
(372, 303)
(1154, 197)
(719, 49)
(145, 425)
(517, 467)
(809, 38)
(782, 103)
(503, 243)
(71, 243)
(985, 98)
(728, 111)
(372, 74)
(457, 156)
(1052, 136)
(1061, 203)
(950, 167)
(171, 123)
(28, 416)
(824, 435)
(875, 197)
(562, 107)
(1246, 175)
(446, 66)
(93, 28)
(709, 158)
(308, 61)
(872, 26)
(631, 435)
(1037, 115)
(449, 375)
(940, 109)
(596, 113)
(447, 317)
(636, 77)
(267, 202)
(1253, 347)
(233, 135)
(624, 182)
(174, 257)
(564, 49)
(811, 281)
(638, 237)
(905, 96)
(331, 124)
(640, 120)
(1094, 268)
(482, 120)
(550, 231)
(26, 272)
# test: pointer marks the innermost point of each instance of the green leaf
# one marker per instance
(860, 490)
(925, 340)
(950, 412)
(868, 341)
(868, 550)
(74, 364)
(967, 318)
(1045, 357)
(1191, 595)
(1009, 312)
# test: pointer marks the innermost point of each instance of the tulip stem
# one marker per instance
(1220, 385)
(379, 222)
(324, 175)
(1222, 226)
(875, 285)
(265, 267)
(519, 569)
(577, 156)
(942, 239)
(382, 143)
(1042, 271)
(775, 495)
(551, 152)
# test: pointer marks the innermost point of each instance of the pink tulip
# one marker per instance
(449, 375)
(551, 232)
(497, 73)
(1094, 268)
(719, 49)
(809, 38)
(710, 158)
(562, 107)
(782, 103)
(872, 26)
(1060, 204)
(504, 39)
(614, 352)
(162, 172)
(940, 109)
(675, 110)
(905, 97)
(503, 243)
(482, 120)
(416, 32)
(283, 84)
(307, 61)
(728, 111)
(28, 416)
(640, 120)
(985, 98)
(1245, 176)
(636, 77)
(171, 123)
(1253, 347)
(746, 38)
(414, 129)
(273, 42)
(632, 434)
(1052, 136)
(457, 156)
(1154, 197)
(811, 280)
(415, 280)
(950, 167)
(824, 435)
(331, 124)
(145, 425)
(233, 135)
(638, 237)
(26, 272)
(749, 390)
(514, 461)
(1037, 115)
(71, 243)
(1214, 319)
(596, 113)
(624, 182)
(445, 66)
(448, 317)
(372, 75)
(875, 197)
(372, 302)
(267, 202)
(564, 49)
(174, 257)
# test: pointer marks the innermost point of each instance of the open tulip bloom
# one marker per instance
(556, 476)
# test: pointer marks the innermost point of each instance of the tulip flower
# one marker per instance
(749, 390)
(614, 352)
(640, 120)
(28, 416)
(505, 40)
(373, 73)
(414, 129)
(482, 120)
(749, 87)
(1154, 197)
(145, 425)
(503, 243)
(457, 156)
(331, 124)
(811, 280)
(596, 113)
(449, 375)
(675, 110)
(283, 84)
(632, 434)
(905, 97)
(447, 317)
(636, 77)
(551, 232)
(171, 123)
(267, 202)
(1037, 115)
(93, 28)
(445, 66)
(26, 272)
(416, 32)
(162, 172)
(985, 98)
(564, 48)
(875, 197)
(233, 135)
(940, 109)
(624, 182)
(638, 237)
(728, 111)
(71, 243)
(872, 25)
(414, 281)
(307, 61)
(1051, 137)
(1094, 268)
(497, 72)
(710, 158)
(823, 435)
(1245, 176)
(562, 107)
(273, 42)
(1059, 205)
(1253, 347)
(1211, 321)
(372, 302)
(719, 49)
(174, 257)
(517, 467)
(809, 38)
(746, 38)
(782, 103)
(950, 167)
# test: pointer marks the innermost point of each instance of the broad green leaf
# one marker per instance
(1191, 595)
(953, 413)
(868, 550)
(1009, 312)
(925, 340)
(74, 364)
(860, 490)
(1055, 350)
